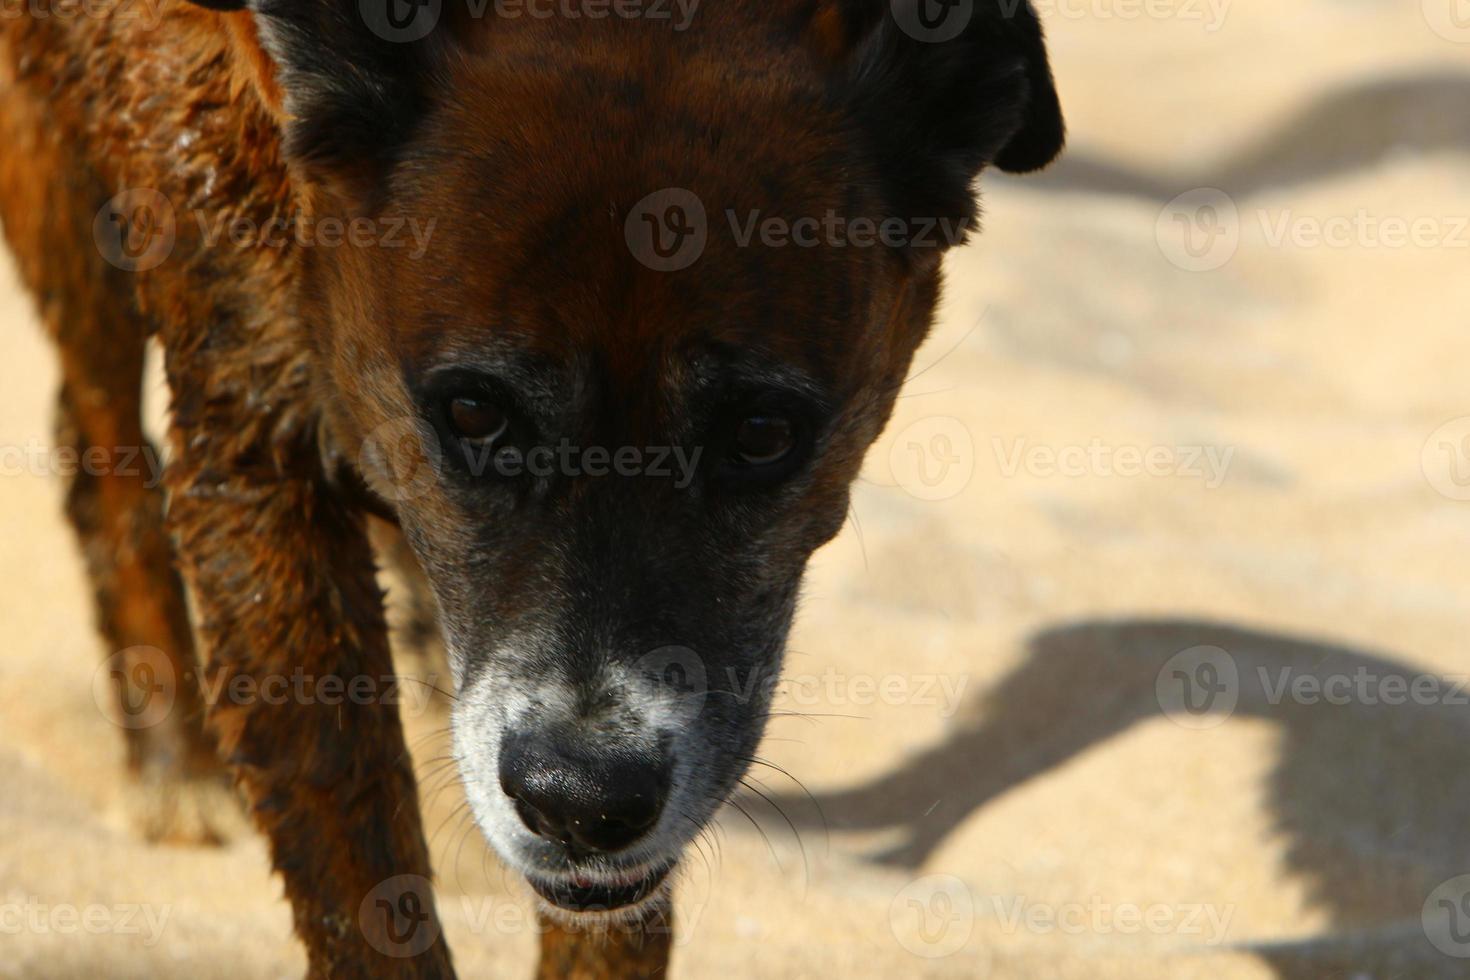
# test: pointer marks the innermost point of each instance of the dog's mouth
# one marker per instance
(582, 893)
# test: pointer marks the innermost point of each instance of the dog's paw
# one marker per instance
(203, 810)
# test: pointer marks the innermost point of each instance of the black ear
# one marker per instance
(351, 74)
(945, 88)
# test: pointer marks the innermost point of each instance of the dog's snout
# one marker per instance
(589, 802)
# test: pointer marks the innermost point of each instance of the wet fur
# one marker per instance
(281, 362)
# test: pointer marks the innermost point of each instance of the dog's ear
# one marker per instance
(348, 75)
(942, 89)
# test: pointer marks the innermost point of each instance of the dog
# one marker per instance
(601, 304)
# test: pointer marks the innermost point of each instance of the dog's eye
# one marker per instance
(476, 419)
(761, 440)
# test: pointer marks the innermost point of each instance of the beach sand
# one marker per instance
(1127, 463)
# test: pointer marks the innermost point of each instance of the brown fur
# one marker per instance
(280, 360)
(281, 570)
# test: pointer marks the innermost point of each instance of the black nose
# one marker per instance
(587, 800)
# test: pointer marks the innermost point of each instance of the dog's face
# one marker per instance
(615, 406)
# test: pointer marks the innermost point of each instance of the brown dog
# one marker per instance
(601, 302)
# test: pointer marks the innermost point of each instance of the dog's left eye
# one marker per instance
(477, 420)
(761, 440)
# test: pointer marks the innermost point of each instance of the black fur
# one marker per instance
(354, 96)
(938, 112)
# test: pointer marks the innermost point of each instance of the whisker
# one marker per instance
(857, 528)
(469, 829)
(452, 814)
(758, 829)
(801, 844)
(756, 761)
(433, 687)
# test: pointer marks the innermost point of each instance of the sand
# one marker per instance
(1119, 451)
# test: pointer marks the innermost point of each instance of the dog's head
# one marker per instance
(660, 270)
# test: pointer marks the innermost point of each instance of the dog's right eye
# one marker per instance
(475, 419)
(763, 440)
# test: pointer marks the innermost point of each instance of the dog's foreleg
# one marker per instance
(625, 951)
(282, 574)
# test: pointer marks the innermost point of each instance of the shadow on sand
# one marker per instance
(1345, 130)
(1374, 797)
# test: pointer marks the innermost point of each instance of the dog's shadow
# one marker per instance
(1372, 791)
(1344, 129)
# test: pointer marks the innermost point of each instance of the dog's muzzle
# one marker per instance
(591, 803)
